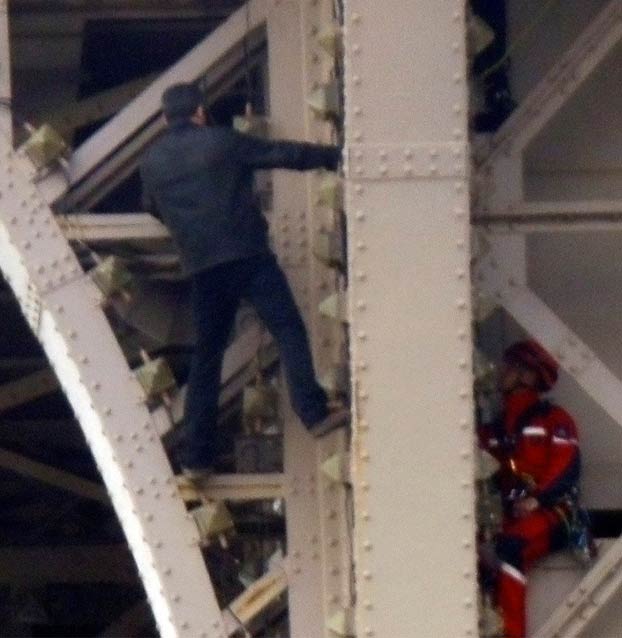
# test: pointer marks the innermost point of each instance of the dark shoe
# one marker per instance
(336, 419)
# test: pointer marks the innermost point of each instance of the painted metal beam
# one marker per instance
(234, 487)
(62, 306)
(27, 389)
(407, 201)
(318, 583)
(501, 273)
(589, 598)
(112, 227)
(94, 108)
(146, 107)
(53, 476)
(6, 120)
(501, 170)
(256, 599)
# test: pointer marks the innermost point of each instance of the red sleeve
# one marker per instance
(562, 471)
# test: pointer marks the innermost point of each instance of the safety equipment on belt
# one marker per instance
(532, 355)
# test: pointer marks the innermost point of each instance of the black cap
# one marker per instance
(181, 101)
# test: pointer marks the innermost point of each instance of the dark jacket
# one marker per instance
(199, 181)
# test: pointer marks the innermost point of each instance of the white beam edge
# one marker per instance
(114, 227)
(148, 103)
(20, 271)
(235, 487)
(562, 81)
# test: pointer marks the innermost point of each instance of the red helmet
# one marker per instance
(532, 355)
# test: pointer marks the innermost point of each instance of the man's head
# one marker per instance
(182, 102)
(526, 364)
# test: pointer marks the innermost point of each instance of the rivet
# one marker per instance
(84, 359)
(335, 571)
(361, 245)
(356, 80)
(334, 542)
(118, 438)
(367, 575)
(366, 516)
(369, 631)
(107, 411)
(365, 456)
(332, 514)
(359, 215)
(361, 276)
(358, 110)
(361, 305)
(365, 486)
(356, 18)
(140, 449)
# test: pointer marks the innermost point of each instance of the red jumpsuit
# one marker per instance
(536, 441)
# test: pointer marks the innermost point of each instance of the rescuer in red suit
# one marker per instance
(537, 447)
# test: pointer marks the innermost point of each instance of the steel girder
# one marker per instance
(500, 171)
(407, 200)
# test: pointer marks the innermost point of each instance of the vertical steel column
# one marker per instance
(5, 68)
(287, 114)
(407, 200)
(316, 528)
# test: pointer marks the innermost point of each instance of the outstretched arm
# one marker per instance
(300, 156)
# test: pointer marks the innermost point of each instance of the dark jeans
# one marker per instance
(216, 294)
